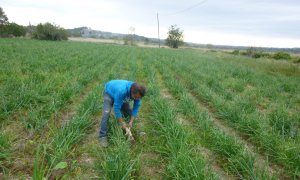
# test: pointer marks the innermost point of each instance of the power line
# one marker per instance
(158, 31)
(186, 9)
(178, 12)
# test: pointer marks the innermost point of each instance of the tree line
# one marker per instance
(48, 31)
(45, 31)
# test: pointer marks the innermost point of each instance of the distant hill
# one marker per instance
(90, 33)
(228, 47)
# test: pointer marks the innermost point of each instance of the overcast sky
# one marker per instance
(269, 23)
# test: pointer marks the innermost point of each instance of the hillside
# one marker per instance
(90, 33)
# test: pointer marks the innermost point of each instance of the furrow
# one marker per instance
(152, 162)
(204, 152)
(236, 147)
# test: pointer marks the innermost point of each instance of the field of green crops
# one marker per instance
(206, 115)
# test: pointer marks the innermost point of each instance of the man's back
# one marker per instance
(118, 88)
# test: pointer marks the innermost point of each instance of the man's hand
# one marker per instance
(123, 125)
(131, 122)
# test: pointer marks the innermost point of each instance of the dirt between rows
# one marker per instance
(206, 153)
(261, 162)
(25, 143)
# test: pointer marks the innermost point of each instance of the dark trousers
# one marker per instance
(107, 107)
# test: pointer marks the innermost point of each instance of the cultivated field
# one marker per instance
(207, 115)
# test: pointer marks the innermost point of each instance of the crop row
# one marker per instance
(39, 83)
(119, 161)
(234, 157)
(8, 160)
(240, 110)
(67, 137)
(182, 159)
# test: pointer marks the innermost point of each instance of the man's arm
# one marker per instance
(122, 123)
(136, 106)
(135, 110)
(117, 108)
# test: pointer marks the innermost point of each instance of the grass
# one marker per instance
(66, 137)
(118, 163)
(240, 109)
(256, 97)
(183, 161)
(240, 163)
(44, 82)
(5, 150)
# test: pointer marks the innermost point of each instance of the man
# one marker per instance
(118, 94)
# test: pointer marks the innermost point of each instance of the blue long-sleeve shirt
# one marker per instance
(119, 90)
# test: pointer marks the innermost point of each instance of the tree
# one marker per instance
(12, 29)
(146, 41)
(3, 17)
(175, 37)
(209, 46)
(49, 31)
(254, 52)
(282, 55)
(8, 29)
(129, 38)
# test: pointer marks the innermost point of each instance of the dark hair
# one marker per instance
(137, 88)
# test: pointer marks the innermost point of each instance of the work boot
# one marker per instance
(103, 141)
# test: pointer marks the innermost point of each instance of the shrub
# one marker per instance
(129, 40)
(253, 52)
(297, 60)
(266, 55)
(257, 54)
(235, 52)
(12, 29)
(49, 31)
(282, 55)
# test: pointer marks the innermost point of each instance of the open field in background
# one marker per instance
(207, 115)
(113, 41)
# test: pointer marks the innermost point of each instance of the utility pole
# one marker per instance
(158, 31)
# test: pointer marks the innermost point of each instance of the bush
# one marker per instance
(257, 54)
(129, 40)
(12, 29)
(49, 31)
(266, 55)
(282, 55)
(235, 52)
(297, 60)
(253, 52)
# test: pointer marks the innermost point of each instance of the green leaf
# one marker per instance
(61, 165)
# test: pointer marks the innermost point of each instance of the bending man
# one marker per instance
(118, 94)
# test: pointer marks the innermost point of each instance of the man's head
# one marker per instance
(137, 91)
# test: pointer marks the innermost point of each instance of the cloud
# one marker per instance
(208, 37)
(244, 17)
(242, 20)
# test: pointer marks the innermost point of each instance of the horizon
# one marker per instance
(186, 41)
(255, 23)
